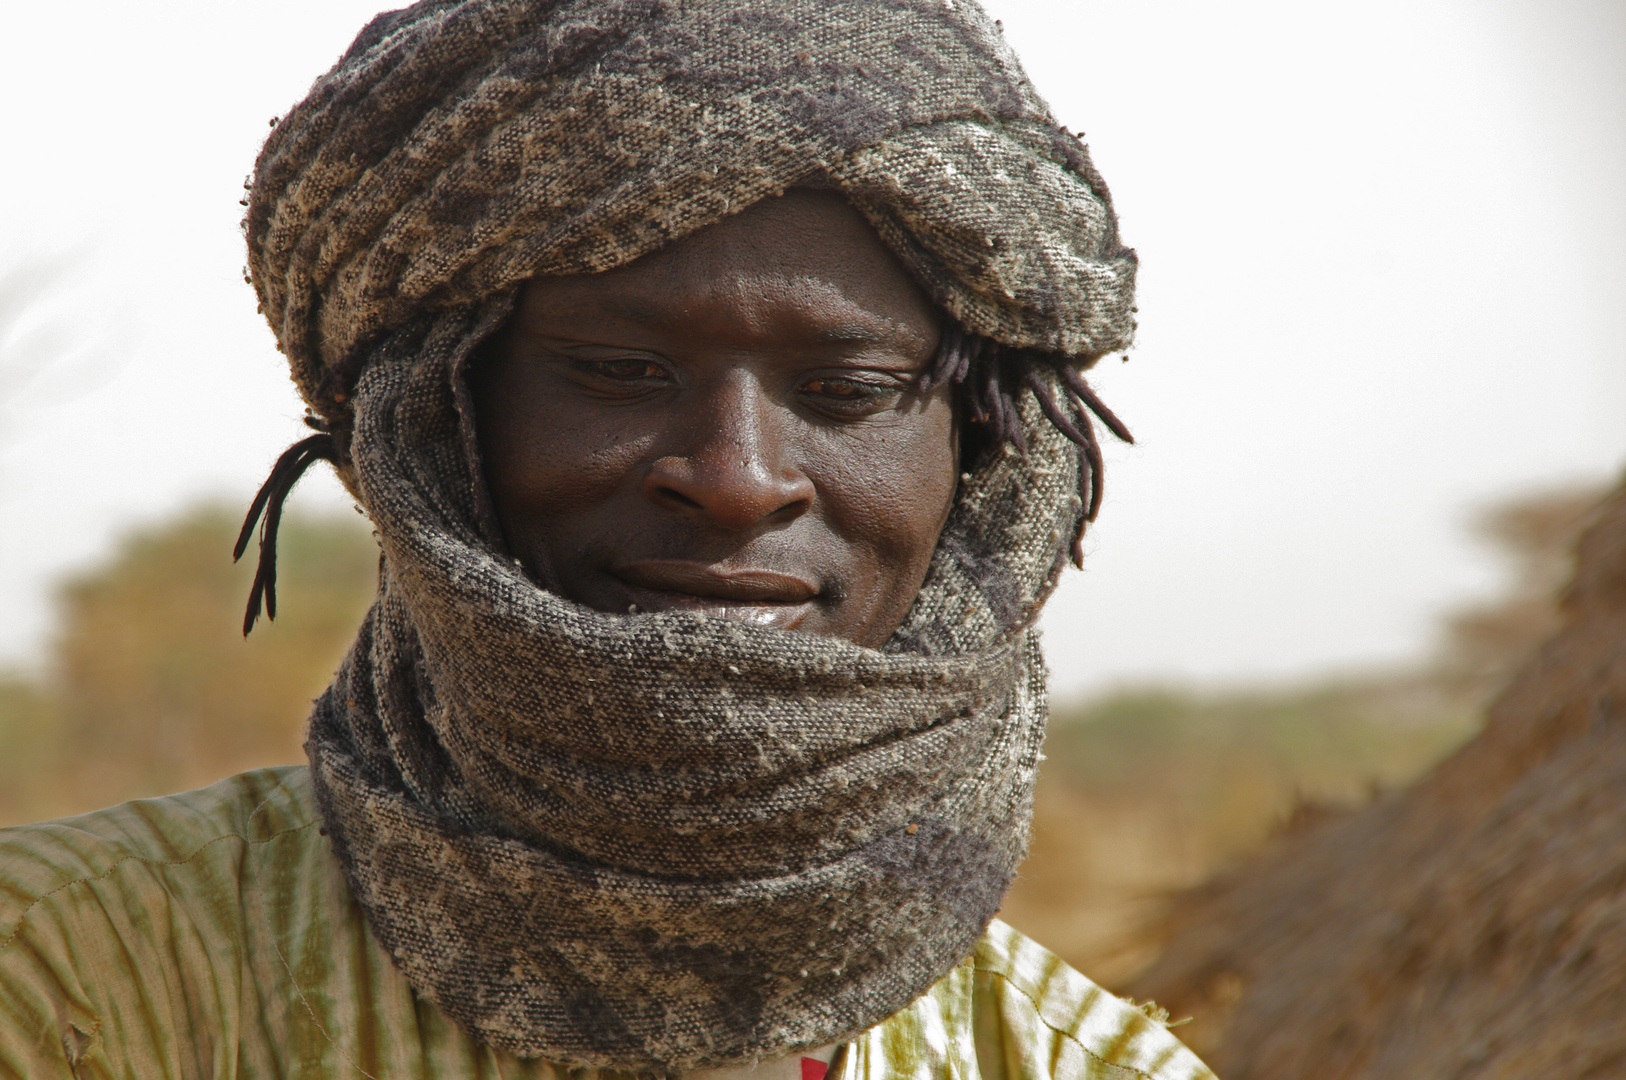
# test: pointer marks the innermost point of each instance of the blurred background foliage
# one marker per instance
(151, 688)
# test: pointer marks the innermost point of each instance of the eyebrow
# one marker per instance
(851, 333)
(633, 311)
(847, 334)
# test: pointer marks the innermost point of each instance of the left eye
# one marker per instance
(841, 389)
(850, 399)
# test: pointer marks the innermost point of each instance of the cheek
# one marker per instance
(544, 460)
(888, 491)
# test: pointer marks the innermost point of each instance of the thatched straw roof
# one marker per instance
(1472, 926)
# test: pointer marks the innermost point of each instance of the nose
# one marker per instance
(732, 470)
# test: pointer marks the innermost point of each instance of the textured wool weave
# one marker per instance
(660, 841)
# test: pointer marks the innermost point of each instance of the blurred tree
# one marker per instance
(151, 686)
(28, 742)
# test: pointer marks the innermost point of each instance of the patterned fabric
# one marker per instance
(211, 935)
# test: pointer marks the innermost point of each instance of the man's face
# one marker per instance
(729, 425)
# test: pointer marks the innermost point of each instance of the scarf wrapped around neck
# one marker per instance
(656, 842)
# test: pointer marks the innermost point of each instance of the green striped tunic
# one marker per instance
(211, 934)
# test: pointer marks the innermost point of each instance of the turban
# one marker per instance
(459, 148)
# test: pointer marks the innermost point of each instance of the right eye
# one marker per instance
(625, 369)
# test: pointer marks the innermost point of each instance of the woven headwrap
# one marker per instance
(655, 842)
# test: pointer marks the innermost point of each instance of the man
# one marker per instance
(711, 374)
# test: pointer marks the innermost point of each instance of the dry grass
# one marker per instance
(1150, 792)
(1472, 925)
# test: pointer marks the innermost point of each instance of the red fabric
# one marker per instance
(813, 1069)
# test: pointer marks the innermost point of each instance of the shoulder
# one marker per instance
(143, 872)
(1036, 1017)
(40, 861)
(142, 910)
(1015, 1011)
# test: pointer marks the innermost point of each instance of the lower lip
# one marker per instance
(767, 616)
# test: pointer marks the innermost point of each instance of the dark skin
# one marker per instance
(730, 425)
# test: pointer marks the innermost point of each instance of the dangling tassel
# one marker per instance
(284, 475)
(1081, 432)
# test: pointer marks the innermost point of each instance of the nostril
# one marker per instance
(678, 497)
(714, 489)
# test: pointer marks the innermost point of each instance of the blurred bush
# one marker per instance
(150, 686)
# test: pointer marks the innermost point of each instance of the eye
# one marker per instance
(622, 369)
(840, 389)
(849, 397)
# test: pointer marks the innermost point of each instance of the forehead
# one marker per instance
(804, 262)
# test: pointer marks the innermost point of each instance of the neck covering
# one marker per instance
(659, 842)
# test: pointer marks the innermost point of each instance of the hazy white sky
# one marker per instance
(1383, 262)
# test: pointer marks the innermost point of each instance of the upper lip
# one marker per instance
(751, 586)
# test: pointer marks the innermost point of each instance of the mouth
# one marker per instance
(763, 598)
